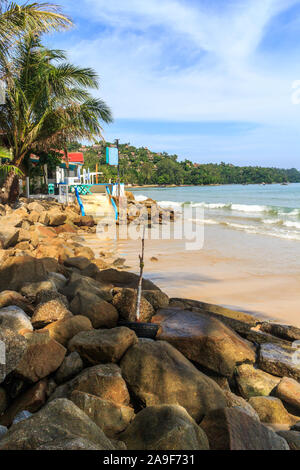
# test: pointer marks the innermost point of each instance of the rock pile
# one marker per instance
(212, 378)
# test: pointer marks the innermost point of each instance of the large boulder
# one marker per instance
(288, 390)
(159, 374)
(292, 438)
(279, 360)
(49, 312)
(42, 357)
(31, 400)
(111, 417)
(101, 313)
(286, 332)
(14, 318)
(54, 217)
(71, 443)
(71, 366)
(103, 346)
(241, 322)
(60, 419)
(271, 410)
(125, 303)
(9, 236)
(11, 298)
(203, 340)
(235, 401)
(104, 381)
(232, 429)
(252, 382)
(12, 349)
(81, 285)
(64, 330)
(15, 271)
(156, 298)
(164, 427)
(123, 279)
(79, 262)
(31, 290)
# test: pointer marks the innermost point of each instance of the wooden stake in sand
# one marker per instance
(139, 289)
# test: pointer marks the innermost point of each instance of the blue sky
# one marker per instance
(209, 80)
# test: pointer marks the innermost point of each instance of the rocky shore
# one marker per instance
(73, 378)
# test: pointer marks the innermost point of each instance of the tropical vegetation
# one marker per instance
(142, 166)
(47, 102)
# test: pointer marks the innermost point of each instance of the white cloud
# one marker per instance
(226, 83)
(180, 60)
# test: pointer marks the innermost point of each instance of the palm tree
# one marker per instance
(47, 103)
(15, 20)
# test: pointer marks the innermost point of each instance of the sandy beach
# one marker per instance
(234, 269)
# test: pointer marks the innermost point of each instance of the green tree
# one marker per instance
(48, 104)
(16, 20)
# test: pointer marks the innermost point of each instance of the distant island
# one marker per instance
(141, 166)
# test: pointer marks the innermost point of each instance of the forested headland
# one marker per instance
(142, 166)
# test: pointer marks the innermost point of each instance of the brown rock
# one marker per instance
(287, 332)
(156, 298)
(71, 366)
(14, 318)
(64, 330)
(232, 429)
(14, 272)
(104, 381)
(46, 232)
(164, 427)
(42, 357)
(85, 252)
(125, 303)
(84, 221)
(84, 285)
(292, 438)
(65, 228)
(79, 262)
(49, 312)
(236, 401)
(58, 420)
(101, 313)
(71, 443)
(30, 290)
(54, 217)
(36, 207)
(111, 417)
(103, 346)
(9, 236)
(253, 382)
(238, 321)
(174, 380)
(203, 340)
(279, 360)
(288, 390)
(32, 400)
(123, 279)
(271, 410)
(12, 352)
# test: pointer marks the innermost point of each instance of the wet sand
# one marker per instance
(237, 270)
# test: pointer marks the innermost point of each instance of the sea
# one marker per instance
(270, 210)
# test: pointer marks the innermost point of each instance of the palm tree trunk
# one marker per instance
(9, 192)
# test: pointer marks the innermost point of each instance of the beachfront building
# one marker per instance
(69, 171)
